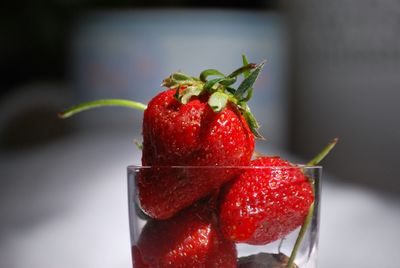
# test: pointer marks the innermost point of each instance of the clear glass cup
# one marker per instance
(176, 216)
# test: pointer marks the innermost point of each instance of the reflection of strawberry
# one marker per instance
(265, 204)
(190, 239)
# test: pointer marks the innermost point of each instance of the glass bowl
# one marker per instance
(224, 216)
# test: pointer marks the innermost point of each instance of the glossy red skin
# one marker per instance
(264, 205)
(191, 134)
(190, 239)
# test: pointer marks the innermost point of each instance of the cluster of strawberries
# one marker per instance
(198, 211)
(198, 214)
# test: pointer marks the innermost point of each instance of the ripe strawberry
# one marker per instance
(265, 204)
(190, 239)
(195, 122)
(190, 134)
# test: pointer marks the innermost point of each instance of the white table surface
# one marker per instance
(65, 205)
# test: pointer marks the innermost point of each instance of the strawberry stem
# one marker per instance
(319, 157)
(316, 160)
(302, 232)
(101, 103)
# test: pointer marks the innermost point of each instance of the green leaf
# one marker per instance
(210, 84)
(248, 96)
(218, 101)
(251, 120)
(181, 77)
(169, 82)
(189, 93)
(204, 74)
(249, 81)
(231, 90)
(243, 69)
(177, 79)
(227, 81)
(245, 62)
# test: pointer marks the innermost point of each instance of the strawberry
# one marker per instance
(265, 204)
(190, 134)
(195, 122)
(190, 239)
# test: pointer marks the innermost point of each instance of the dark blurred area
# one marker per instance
(35, 40)
(333, 71)
(36, 48)
(345, 82)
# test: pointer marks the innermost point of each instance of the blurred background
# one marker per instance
(333, 70)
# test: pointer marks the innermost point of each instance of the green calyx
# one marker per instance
(221, 90)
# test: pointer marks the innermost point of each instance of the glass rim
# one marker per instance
(133, 167)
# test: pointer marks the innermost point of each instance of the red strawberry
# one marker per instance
(196, 122)
(190, 239)
(190, 134)
(265, 204)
